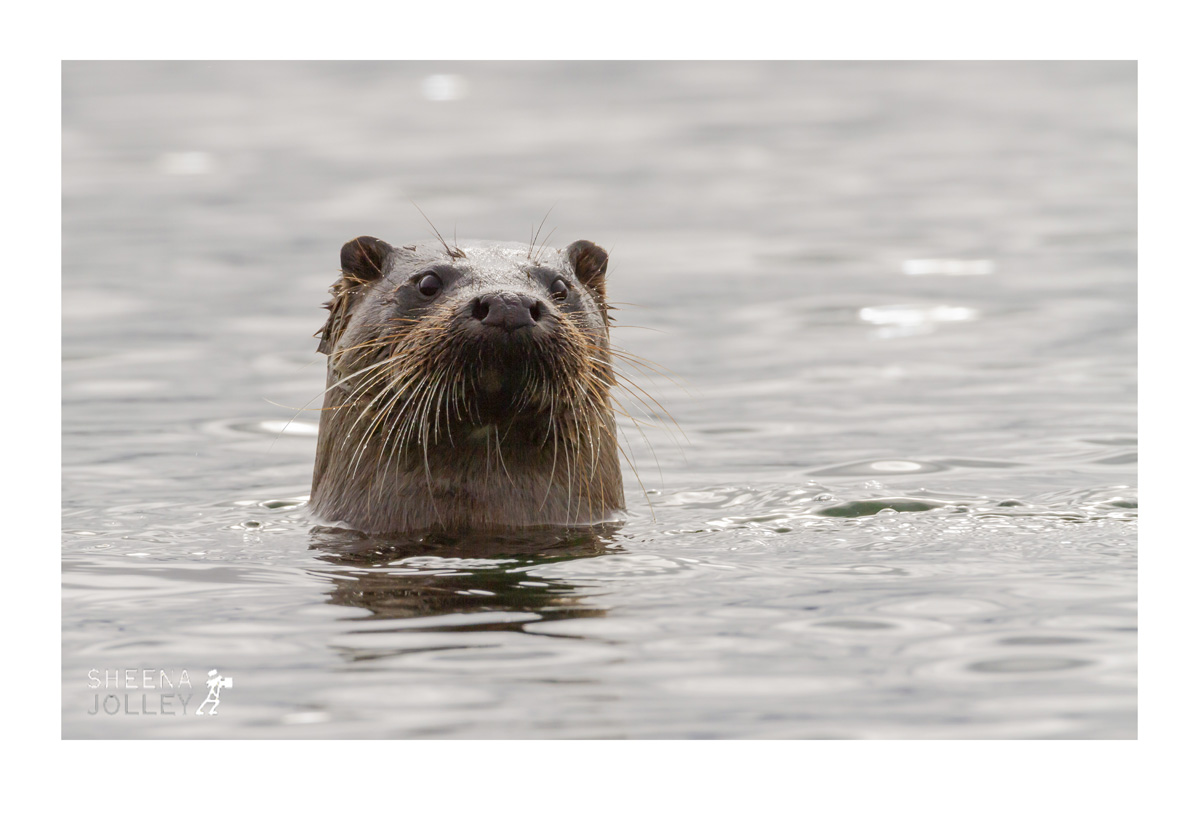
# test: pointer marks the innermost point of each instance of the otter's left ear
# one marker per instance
(364, 260)
(590, 263)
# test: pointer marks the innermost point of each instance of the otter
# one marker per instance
(467, 388)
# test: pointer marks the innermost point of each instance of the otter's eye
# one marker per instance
(558, 289)
(429, 285)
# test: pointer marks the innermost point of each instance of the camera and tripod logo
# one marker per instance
(215, 683)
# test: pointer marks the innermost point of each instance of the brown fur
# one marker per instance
(434, 419)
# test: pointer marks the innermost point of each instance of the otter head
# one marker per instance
(448, 361)
(480, 336)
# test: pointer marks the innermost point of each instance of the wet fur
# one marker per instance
(409, 437)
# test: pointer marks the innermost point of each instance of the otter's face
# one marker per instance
(447, 341)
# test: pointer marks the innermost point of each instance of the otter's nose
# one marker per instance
(507, 311)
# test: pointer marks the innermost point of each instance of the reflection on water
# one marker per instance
(949, 267)
(905, 320)
(442, 574)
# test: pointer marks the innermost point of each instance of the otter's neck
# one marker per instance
(520, 473)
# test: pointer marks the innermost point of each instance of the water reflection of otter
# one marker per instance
(373, 572)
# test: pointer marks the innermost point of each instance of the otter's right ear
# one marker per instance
(363, 259)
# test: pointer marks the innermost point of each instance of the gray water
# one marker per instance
(895, 306)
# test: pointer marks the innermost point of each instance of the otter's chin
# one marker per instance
(504, 397)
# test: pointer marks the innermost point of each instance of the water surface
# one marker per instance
(897, 304)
